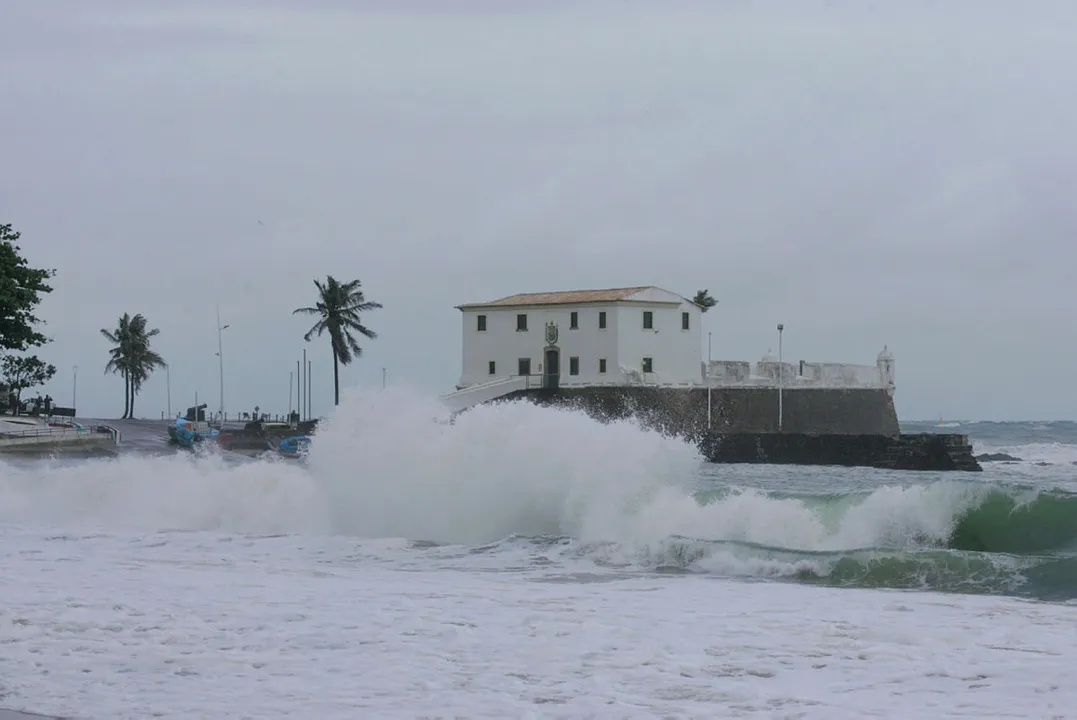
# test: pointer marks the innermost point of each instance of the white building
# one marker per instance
(620, 336)
(584, 337)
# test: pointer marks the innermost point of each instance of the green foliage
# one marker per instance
(131, 356)
(21, 287)
(338, 312)
(704, 300)
(22, 372)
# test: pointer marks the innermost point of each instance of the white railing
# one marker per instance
(731, 374)
(46, 433)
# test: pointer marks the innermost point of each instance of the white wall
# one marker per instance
(623, 343)
(675, 353)
(504, 345)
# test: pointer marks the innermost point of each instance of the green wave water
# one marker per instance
(1007, 522)
(989, 539)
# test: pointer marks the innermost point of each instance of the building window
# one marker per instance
(493, 367)
(521, 322)
(648, 365)
(573, 320)
(602, 366)
(573, 366)
(602, 320)
(481, 324)
(648, 320)
(524, 366)
(684, 321)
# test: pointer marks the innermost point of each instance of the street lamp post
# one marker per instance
(707, 376)
(780, 375)
(74, 388)
(168, 388)
(220, 357)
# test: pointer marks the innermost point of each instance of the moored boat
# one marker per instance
(186, 433)
(296, 446)
(258, 436)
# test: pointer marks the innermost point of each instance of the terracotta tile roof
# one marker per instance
(562, 298)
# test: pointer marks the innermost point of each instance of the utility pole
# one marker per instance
(75, 388)
(220, 356)
(780, 375)
(168, 387)
(306, 388)
(383, 378)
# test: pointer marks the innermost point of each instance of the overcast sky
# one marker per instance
(866, 173)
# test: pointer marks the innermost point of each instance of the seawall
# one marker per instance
(927, 451)
(683, 411)
(849, 427)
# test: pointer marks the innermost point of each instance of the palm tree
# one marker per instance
(144, 360)
(704, 300)
(121, 338)
(131, 356)
(338, 308)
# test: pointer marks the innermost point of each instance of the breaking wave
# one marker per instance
(509, 477)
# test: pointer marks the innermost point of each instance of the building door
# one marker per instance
(551, 371)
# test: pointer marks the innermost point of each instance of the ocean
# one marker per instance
(526, 562)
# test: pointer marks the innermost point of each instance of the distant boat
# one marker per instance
(186, 433)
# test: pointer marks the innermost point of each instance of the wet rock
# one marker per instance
(997, 457)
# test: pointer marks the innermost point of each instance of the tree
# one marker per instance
(338, 311)
(704, 300)
(21, 288)
(131, 356)
(22, 372)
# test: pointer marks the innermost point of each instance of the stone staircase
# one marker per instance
(935, 451)
(484, 392)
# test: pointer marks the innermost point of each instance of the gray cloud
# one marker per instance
(865, 173)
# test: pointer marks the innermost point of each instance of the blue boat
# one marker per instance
(187, 432)
(295, 446)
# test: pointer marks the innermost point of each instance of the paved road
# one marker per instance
(138, 435)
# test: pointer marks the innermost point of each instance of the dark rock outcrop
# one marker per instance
(997, 457)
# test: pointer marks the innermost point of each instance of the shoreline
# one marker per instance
(6, 714)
